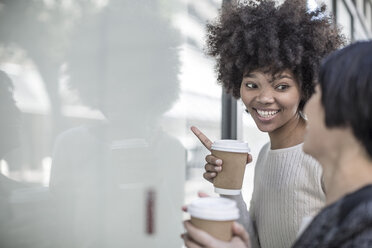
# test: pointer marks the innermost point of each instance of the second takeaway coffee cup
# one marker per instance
(214, 215)
(234, 156)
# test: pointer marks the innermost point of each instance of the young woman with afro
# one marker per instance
(269, 55)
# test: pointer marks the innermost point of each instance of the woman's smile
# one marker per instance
(266, 114)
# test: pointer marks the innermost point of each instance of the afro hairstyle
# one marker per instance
(253, 35)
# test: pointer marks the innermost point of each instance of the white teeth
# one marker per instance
(266, 114)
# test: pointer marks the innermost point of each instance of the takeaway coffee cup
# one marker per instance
(214, 215)
(234, 156)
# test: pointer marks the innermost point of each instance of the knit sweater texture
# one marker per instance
(287, 188)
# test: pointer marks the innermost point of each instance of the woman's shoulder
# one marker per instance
(296, 152)
(265, 148)
(263, 152)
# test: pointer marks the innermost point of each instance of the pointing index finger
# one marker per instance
(203, 139)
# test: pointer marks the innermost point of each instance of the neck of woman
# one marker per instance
(345, 170)
(290, 134)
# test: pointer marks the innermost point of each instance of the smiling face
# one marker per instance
(272, 101)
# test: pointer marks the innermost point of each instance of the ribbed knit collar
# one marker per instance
(285, 150)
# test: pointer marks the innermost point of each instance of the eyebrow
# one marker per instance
(253, 75)
(284, 76)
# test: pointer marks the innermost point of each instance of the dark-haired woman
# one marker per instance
(339, 136)
(269, 55)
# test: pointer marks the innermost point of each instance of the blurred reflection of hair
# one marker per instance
(125, 60)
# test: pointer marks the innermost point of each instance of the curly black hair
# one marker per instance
(250, 35)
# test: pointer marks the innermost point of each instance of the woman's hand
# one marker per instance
(213, 165)
(194, 238)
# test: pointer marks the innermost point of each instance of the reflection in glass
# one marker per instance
(119, 182)
(108, 71)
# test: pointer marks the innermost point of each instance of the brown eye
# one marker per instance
(251, 85)
(282, 87)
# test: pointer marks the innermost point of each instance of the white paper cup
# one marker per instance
(234, 154)
(214, 215)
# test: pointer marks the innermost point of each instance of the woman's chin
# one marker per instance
(265, 129)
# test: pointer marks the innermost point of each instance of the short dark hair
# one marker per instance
(250, 35)
(345, 78)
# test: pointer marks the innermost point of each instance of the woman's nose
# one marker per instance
(265, 96)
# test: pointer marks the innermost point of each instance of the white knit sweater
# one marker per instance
(287, 188)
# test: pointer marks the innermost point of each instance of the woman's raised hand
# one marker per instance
(214, 164)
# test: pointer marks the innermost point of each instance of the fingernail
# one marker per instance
(218, 168)
(219, 161)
